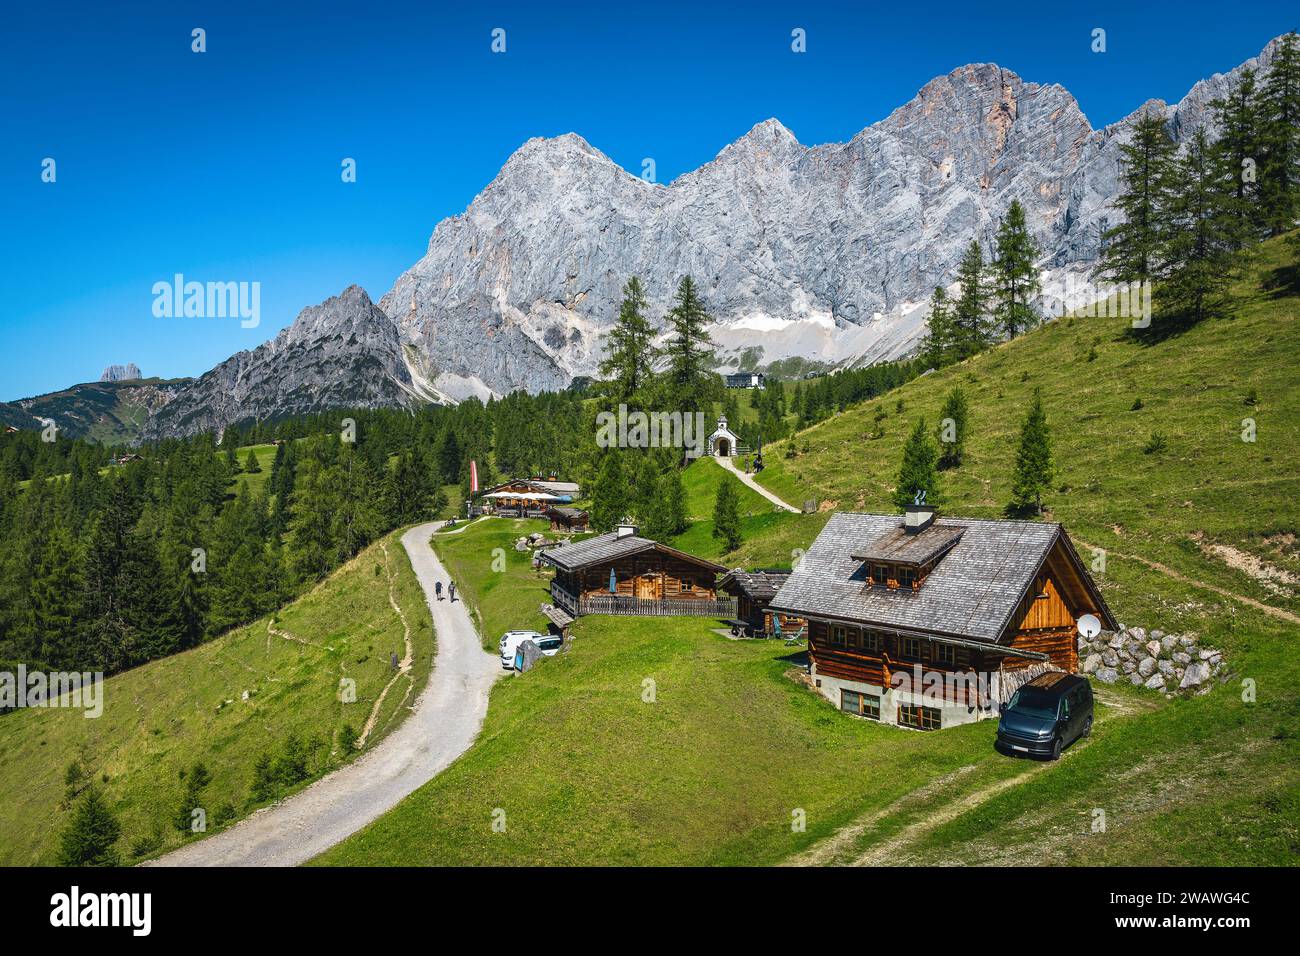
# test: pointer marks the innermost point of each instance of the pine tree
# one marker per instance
(940, 344)
(89, 837)
(1202, 239)
(1015, 275)
(726, 514)
(1133, 250)
(970, 320)
(674, 496)
(919, 472)
(251, 466)
(1280, 111)
(1034, 469)
(609, 496)
(952, 428)
(690, 359)
(630, 352)
(1238, 152)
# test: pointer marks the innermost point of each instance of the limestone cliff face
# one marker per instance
(827, 252)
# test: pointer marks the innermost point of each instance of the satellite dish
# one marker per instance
(1089, 626)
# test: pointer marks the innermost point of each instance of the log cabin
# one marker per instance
(527, 497)
(929, 622)
(624, 573)
(753, 591)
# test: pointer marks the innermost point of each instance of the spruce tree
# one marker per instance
(609, 496)
(1238, 152)
(251, 465)
(1203, 236)
(919, 471)
(89, 837)
(970, 319)
(726, 514)
(1280, 111)
(630, 352)
(1133, 250)
(1014, 273)
(952, 428)
(1034, 469)
(674, 496)
(690, 359)
(940, 341)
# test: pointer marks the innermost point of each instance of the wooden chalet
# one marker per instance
(527, 497)
(753, 591)
(568, 519)
(930, 622)
(624, 573)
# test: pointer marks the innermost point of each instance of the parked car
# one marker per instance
(1045, 716)
(547, 644)
(550, 645)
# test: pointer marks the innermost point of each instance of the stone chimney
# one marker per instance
(916, 518)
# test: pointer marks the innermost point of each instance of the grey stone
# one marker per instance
(1186, 640)
(1195, 675)
(1153, 648)
(1209, 653)
(1182, 658)
(1107, 675)
(1155, 682)
(1157, 635)
(1135, 679)
(1091, 663)
(1128, 667)
(1165, 667)
(1119, 640)
(1139, 634)
(1147, 666)
(1168, 642)
(1110, 658)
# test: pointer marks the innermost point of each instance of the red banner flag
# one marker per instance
(473, 476)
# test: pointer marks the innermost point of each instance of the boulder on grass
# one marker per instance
(1155, 682)
(1091, 663)
(1107, 675)
(1195, 675)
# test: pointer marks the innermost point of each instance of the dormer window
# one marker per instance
(879, 575)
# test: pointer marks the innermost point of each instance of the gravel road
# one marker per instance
(446, 719)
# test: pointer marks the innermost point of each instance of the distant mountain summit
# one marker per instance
(828, 253)
(121, 373)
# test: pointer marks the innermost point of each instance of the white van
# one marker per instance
(511, 640)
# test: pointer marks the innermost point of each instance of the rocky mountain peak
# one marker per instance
(121, 373)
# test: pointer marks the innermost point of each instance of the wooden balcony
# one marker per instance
(648, 607)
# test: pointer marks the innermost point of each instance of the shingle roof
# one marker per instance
(971, 592)
(609, 547)
(917, 548)
(755, 584)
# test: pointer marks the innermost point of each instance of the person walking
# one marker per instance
(437, 589)
(451, 590)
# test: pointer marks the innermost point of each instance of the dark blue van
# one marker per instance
(1045, 716)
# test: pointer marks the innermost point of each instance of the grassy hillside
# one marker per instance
(498, 583)
(161, 718)
(1201, 538)
(1106, 395)
(105, 412)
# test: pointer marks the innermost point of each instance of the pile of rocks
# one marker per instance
(530, 541)
(1157, 661)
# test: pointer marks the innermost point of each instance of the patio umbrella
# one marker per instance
(776, 624)
(613, 582)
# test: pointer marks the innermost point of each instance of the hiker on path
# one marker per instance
(451, 589)
(437, 588)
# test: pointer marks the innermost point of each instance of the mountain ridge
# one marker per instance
(826, 252)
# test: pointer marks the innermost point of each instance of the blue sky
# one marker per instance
(225, 165)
